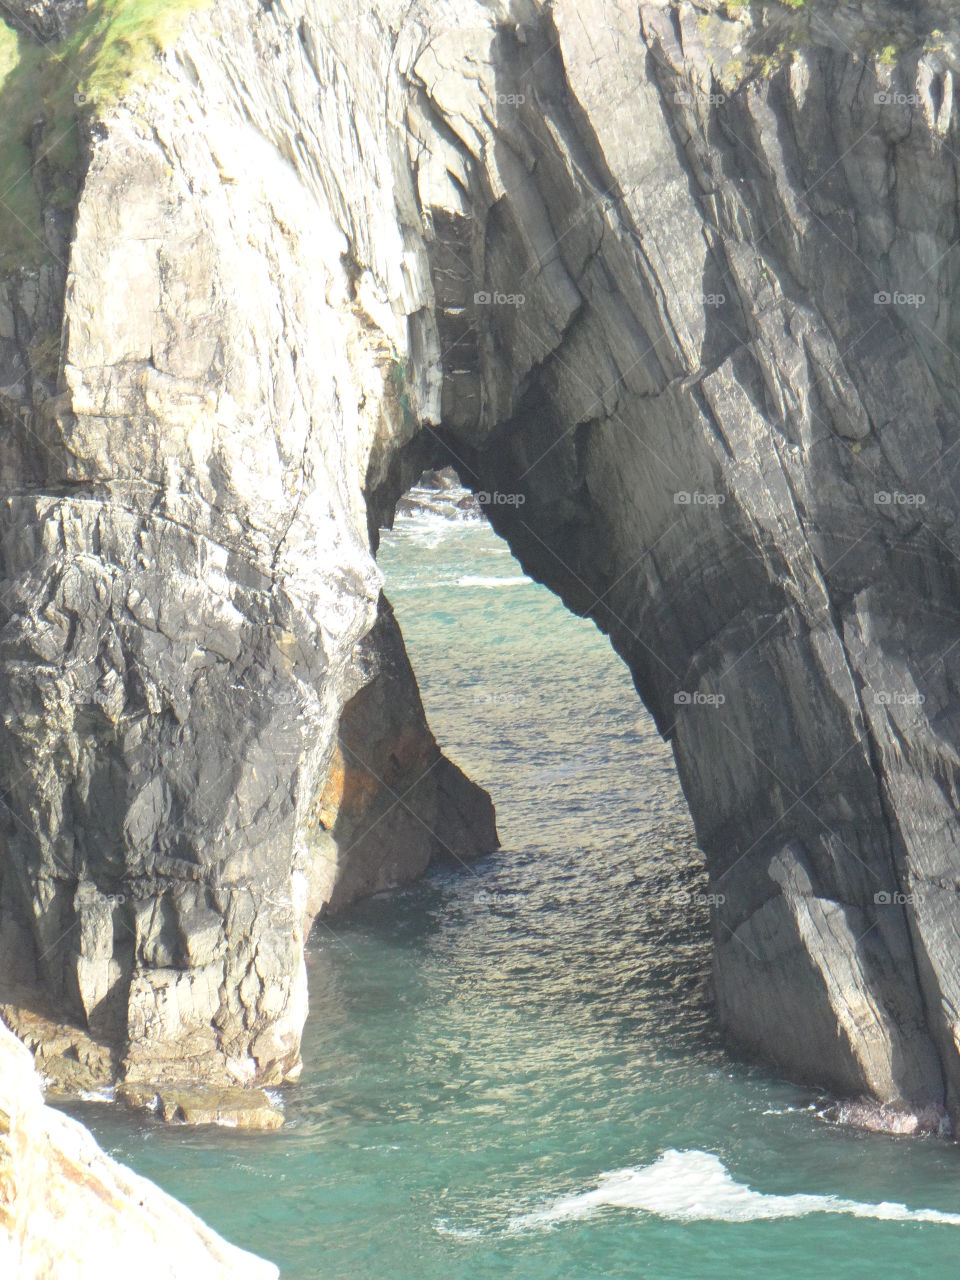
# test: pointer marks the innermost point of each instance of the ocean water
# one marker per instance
(512, 1069)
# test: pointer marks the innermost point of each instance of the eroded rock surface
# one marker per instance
(680, 277)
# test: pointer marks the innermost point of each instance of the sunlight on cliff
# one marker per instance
(44, 89)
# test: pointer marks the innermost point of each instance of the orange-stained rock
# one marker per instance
(392, 802)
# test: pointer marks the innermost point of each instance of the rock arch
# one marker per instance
(668, 296)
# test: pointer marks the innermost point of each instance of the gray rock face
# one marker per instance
(186, 577)
(45, 19)
(706, 397)
(681, 280)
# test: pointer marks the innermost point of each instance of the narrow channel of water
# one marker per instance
(483, 1047)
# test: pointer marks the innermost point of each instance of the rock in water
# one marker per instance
(68, 1210)
(672, 287)
(392, 803)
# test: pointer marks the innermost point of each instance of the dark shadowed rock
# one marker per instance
(46, 19)
(393, 803)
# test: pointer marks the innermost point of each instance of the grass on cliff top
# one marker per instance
(112, 45)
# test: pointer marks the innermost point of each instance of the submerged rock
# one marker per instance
(865, 1113)
(67, 1208)
(234, 1108)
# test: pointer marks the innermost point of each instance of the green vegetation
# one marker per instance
(399, 380)
(45, 88)
(887, 55)
(44, 353)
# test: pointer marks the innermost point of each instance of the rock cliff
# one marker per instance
(187, 581)
(672, 282)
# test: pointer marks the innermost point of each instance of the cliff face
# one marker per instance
(66, 1207)
(682, 280)
(186, 578)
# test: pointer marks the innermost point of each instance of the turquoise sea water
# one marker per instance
(482, 1047)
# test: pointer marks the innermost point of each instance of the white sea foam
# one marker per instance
(788, 1111)
(438, 521)
(438, 508)
(483, 580)
(444, 1228)
(104, 1094)
(691, 1186)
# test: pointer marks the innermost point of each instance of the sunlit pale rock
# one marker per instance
(67, 1210)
